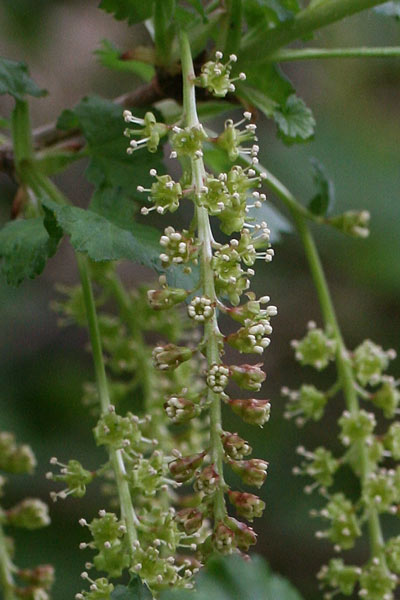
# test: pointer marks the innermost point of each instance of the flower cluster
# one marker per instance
(225, 272)
(30, 514)
(380, 483)
(216, 76)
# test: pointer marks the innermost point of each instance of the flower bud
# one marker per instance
(245, 536)
(178, 247)
(376, 582)
(188, 141)
(352, 222)
(315, 349)
(339, 576)
(41, 576)
(235, 447)
(387, 397)
(166, 297)
(356, 426)
(247, 505)
(13, 458)
(251, 410)
(344, 528)
(248, 377)
(217, 378)
(252, 338)
(223, 538)
(207, 481)
(251, 472)
(170, 356)
(31, 513)
(379, 490)
(392, 551)
(392, 440)
(189, 519)
(370, 360)
(306, 403)
(201, 309)
(184, 468)
(180, 409)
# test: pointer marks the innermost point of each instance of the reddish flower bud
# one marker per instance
(252, 472)
(180, 410)
(248, 377)
(170, 356)
(207, 481)
(245, 536)
(223, 538)
(183, 468)
(252, 410)
(235, 447)
(189, 519)
(247, 505)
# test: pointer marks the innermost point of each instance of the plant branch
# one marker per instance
(257, 44)
(289, 55)
(211, 331)
(343, 364)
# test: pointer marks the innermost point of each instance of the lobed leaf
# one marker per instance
(133, 11)
(295, 121)
(104, 240)
(15, 80)
(25, 247)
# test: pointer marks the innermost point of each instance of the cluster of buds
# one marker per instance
(216, 76)
(178, 248)
(225, 272)
(307, 403)
(380, 486)
(370, 361)
(15, 458)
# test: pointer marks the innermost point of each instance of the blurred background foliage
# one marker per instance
(357, 108)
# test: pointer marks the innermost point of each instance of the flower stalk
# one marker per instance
(212, 335)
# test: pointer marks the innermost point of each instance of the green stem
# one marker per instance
(211, 331)
(40, 183)
(128, 512)
(288, 55)
(311, 18)
(21, 133)
(6, 569)
(343, 363)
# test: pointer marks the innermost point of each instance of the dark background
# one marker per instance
(357, 108)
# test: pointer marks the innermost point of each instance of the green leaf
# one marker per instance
(133, 11)
(269, 13)
(259, 100)
(323, 201)
(267, 79)
(25, 247)
(233, 578)
(295, 121)
(103, 240)
(136, 590)
(109, 56)
(114, 205)
(54, 161)
(389, 9)
(15, 80)
(102, 125)
(197, 5)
